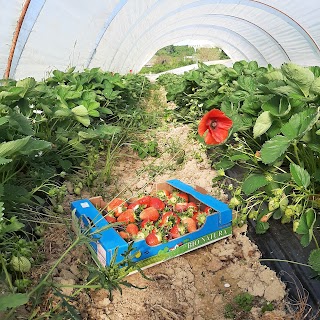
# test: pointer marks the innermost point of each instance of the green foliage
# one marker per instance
(144, 150)
(47, 129)
(170, 57)
(314, 260)
(176, 51)
(275, 115)
(306, 225)
(268, 306)
(244, 301)
(241, 305)
(13, 300)
(300, 176)
(157, 68)
(253, 182)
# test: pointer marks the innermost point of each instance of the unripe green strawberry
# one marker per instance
(295, 225)
(20, 264)
(244, 210)
(253, 214)
(283, 202)
(234, 202)
(285, 219)
(63, 174)
(289, 211)
(298, 209)
(277, 192)
(243, 218)
(273, 204)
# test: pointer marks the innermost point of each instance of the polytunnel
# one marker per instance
(176, 141)
(37, 36)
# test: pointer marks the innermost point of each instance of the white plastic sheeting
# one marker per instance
(122, 35)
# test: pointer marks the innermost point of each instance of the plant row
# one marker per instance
(274, 140)
(47, 129)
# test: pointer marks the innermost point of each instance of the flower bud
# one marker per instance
(269, 177)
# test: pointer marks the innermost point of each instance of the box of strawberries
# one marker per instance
(174, 219)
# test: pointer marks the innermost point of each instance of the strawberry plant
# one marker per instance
(46, 130)
(274, 138)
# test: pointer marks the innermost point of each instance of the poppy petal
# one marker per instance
(209, 139)
(220, 135)
(203, 126)
(224, 123)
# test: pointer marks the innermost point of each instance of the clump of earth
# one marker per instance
(195, 286)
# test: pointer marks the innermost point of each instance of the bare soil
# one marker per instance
(197, 285)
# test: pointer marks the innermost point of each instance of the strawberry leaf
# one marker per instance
(274, 148)
(263, 123)
(300, 123)
(253, 183)
(300, 176)
(306, 224)
(314, 260)
(262, 227)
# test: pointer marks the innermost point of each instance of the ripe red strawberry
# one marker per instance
(157, 203)
(183, 197)
(136, 207)
(124, 235)
(181, 206)
(144, 201)
(190, 224)
(192, 207)
(208, 210)
(154, 238)
(110, 218)
(127, 216)
(133, 205)
(117, 206)
(177, 231)
(163, 194)
(178, 197)
(200, 218)
(132, 229)
(169, 219)
(151, 214)
(146, 224)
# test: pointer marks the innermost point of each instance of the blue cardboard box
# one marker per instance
(218, 225)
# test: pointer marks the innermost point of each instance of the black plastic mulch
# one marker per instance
(281, 243)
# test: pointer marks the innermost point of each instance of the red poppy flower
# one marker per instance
(216, 124)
